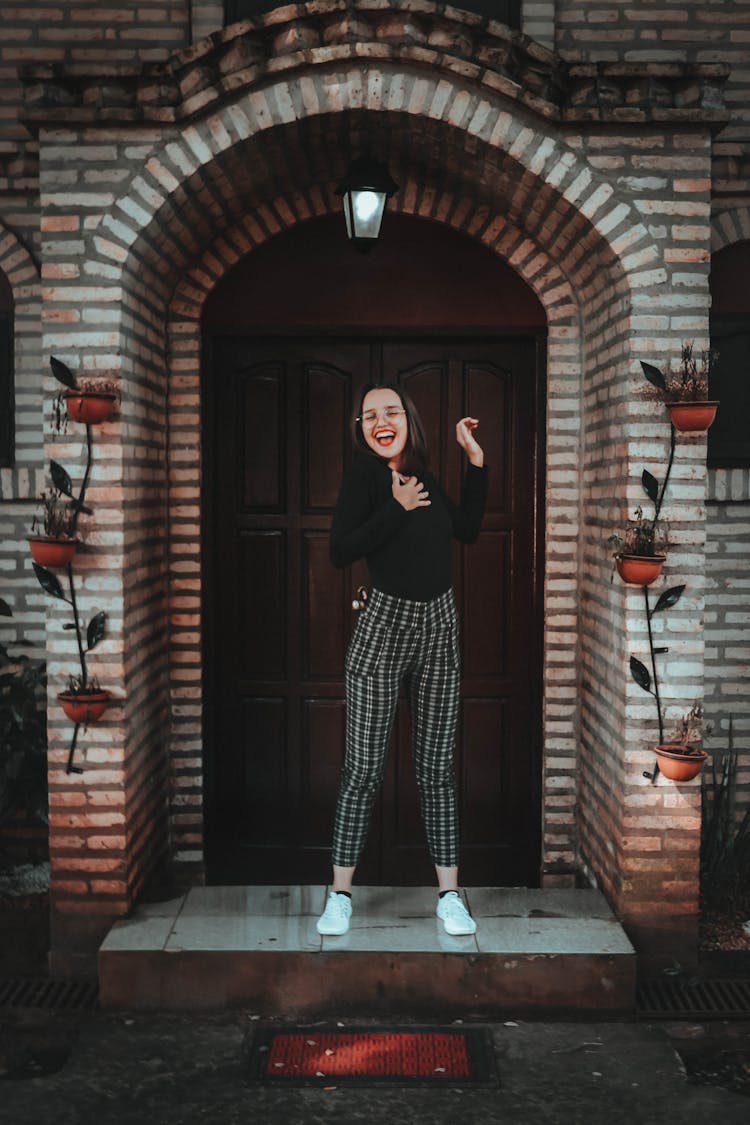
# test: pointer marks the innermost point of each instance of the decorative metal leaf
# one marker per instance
(60, 478)
(5, 610)
(669, 598)
(62, 373)
(81, 507)
(48, 581)
(96, 629)
(654, 375)
(640, 673)
(650, 485)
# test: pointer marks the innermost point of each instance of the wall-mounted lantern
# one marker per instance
(364, 191)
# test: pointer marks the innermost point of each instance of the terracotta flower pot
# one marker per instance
(84, 708)
(47, 551)
(639, 570)
(675, 764)
(89, 406)
(692, 417)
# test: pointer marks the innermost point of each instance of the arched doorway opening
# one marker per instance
(728, 444)
(290, 335)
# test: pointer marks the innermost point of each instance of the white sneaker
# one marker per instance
(454, 915)
(335, 917)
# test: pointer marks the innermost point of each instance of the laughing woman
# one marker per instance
(392, 512)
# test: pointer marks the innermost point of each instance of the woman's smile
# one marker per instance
(385, 437)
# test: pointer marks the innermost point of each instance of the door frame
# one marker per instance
(209, 637)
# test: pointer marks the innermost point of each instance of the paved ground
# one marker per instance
(125, 1069)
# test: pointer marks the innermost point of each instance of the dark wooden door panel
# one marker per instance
(279, 615)
(261, 440)
(323, 725)
(261, 594)
(277, 439)
(486, 585)
(325, 434)
(494, 585)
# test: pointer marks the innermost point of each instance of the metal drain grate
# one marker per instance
(708, 999)
(65, 994)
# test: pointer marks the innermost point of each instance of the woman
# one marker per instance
(392, 512)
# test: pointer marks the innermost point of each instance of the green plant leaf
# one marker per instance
(650, 485)
(669, 598)
(62, 373)
(640, 673)
(5, 610)
(60, 478)
(654, 375)
(96, 629)
(48, 581)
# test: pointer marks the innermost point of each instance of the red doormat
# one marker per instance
(327, 1057)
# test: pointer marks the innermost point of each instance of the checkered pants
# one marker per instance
(397, 640)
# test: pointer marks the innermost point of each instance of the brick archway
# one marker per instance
(562, 283)
(729, 227)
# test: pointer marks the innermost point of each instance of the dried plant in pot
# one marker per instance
(84, 701)
(53, 539)
(685, 391)
(86, 398)
(639, 555)
(680, 755)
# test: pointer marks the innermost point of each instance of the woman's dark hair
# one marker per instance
(416, 457)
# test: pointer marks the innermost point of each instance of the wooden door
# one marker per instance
(279, 615)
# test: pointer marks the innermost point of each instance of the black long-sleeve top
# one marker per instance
(408, 553)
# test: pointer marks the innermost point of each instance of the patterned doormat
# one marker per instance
(329, 1057)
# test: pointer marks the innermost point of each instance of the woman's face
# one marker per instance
(384, 424)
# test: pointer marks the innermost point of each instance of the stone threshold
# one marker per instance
(217, 947)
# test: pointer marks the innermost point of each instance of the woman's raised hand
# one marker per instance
(465, 438)
(409, 492)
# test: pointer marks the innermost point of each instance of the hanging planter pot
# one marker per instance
(679, 764)
(91, 407)
(48, 551)
(639, 570)
(84, 707)
(692, 417)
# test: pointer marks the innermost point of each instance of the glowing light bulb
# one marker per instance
(366, 204)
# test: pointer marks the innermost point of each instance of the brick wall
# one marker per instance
(654, 30)
(609, 224)
(537, 19)
(547, 229)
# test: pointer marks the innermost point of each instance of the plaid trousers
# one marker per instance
(397, 640)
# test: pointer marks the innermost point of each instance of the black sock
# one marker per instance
(442, 894)
(347, 893)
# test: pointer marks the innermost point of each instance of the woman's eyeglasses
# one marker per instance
(390, 413)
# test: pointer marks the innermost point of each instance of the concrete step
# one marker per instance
(257, 947)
